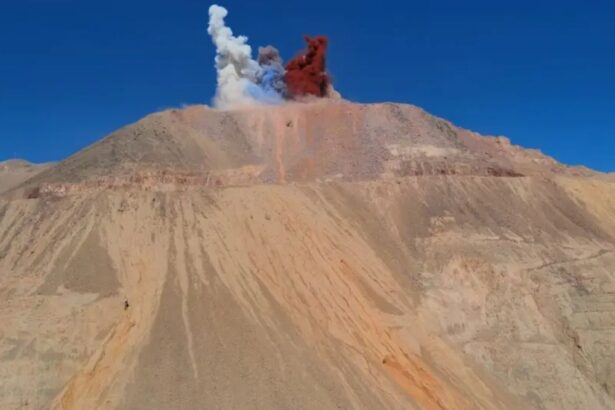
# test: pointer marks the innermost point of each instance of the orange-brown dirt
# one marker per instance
(310, 256)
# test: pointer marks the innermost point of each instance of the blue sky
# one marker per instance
(539, 72)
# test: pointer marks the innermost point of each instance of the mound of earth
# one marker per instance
(309, 256)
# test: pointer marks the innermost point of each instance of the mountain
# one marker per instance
(308, 256)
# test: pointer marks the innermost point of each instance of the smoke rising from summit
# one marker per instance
(270, 86)
(241, 80)
(235, 67)
(306, 74)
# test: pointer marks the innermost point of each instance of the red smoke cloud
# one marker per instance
(306, 74)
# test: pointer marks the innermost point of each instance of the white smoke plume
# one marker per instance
(236, 69)
(241, 80)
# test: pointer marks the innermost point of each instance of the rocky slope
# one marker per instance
(325, 255)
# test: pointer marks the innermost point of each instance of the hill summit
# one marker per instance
(319, 255)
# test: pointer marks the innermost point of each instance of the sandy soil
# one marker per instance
(14, 172)
(309, 256)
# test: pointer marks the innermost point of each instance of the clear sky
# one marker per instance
(539, 72)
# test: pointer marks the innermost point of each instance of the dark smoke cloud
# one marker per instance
(306, 74)
(271, 76)
(268, 55)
